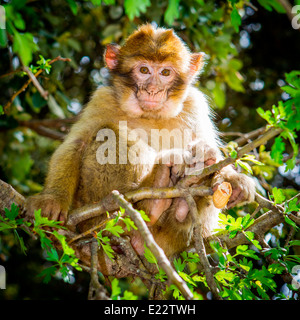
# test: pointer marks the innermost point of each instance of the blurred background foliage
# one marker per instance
(249, 47)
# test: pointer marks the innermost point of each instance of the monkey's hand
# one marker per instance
(197, 156)
(243, 187)
(52, 206)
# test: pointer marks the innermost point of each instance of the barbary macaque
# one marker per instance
(143, 130)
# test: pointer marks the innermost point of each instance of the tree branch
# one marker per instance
(26, 84)
(202, 173)
(159, 254)
(96, 290)
(200, 247)
(108, 204)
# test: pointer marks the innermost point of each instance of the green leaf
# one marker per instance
(271, 4)
(236, 19)
(108, 250)
(219, 95)
(65, 247)
(24, 46)
(40, 222)
(172, 11)
(149, 255)
(73, 6)
(179, 265)
(276, 268)
(48, 273)
(128, 295)
(190, 257)
(245, 166)
(245, 264)
(115, 289)
(116, 230)
(187, 278)
(161, 275)
(52, 255)
(293, 206)
(244, 251)
(129, 224)
(277, 150)
(133, 8)
(247, 221)
(3, 38)
(267, 115)
(13, 212)
(144, 215)
(290, 222)
(96, 2)
(294, 243)
(251, 157)
(279, 197)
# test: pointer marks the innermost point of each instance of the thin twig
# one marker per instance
(263, 139)
(200, 247)
(159, 254)
(35, 82)
(108, 204)
(26, 84)
(96, 290)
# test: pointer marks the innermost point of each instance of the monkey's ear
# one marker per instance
(111, 56)
(197, 62)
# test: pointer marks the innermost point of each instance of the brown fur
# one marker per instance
(75, 178)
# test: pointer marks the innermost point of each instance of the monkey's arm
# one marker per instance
(61, 181)
(64, 166)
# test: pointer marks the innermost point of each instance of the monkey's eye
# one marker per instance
(144, 70)
(166, 72)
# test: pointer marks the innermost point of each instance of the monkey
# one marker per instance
(151, 94)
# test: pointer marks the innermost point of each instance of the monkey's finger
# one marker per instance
(55, 210)
(156, 208)
(63, 216)
(182, 209)
(210, 162)
(178, 170)
(237, 195)
(162, 177)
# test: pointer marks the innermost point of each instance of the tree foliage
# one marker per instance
(51, 61)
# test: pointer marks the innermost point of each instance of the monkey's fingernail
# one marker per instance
(222, 194)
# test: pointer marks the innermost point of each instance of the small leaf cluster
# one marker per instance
(116, 292)
(231, 150)
(9, 222)
(233, 226)
(114, 228)
(41, 64)
(46, 230)
(287, 117)
(288, 206)
(238, 278)
(63, 259)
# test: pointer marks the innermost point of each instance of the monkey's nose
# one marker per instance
(152, 90)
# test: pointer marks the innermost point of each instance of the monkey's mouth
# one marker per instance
(151, 104)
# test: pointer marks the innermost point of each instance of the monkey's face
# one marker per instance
(152, 72)
(153, 81)
(152, 94)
